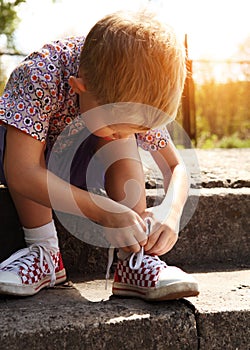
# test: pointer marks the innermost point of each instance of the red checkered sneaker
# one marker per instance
(30, 269)
(152, 279)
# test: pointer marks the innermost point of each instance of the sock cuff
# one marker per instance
(42, 232)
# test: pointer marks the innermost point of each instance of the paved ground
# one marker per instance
(219, 291)
(82, 315)
(211, 168)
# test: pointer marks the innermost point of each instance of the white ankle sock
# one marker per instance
(45, 234)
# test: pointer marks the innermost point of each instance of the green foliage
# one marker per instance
(9, 19)
(3, 80)
(206, 141)
(233, 141)
(8, 24)
(223, 114)
(2, 84)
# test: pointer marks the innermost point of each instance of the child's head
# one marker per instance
(133, 57)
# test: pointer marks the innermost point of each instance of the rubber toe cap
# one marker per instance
(9, 277)
(173, 274)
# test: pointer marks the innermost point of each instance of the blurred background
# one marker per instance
(215, 109)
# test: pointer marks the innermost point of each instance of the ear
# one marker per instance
(77, 84)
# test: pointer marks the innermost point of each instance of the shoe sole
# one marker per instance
(170, 292)
(28, 290)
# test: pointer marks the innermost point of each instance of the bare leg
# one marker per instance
(124, 178)
(40, 265)
(31, 214)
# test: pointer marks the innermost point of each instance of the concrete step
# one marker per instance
(215, 222)
(217, 233)
(83, 315)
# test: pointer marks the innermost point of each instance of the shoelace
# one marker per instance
(152, 261)
(25, 258)
(138, 257)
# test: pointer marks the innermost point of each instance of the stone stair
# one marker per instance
(214, 245)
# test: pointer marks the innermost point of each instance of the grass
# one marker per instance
(232, 141)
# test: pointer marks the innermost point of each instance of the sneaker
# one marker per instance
(152, 279)
(30, 269)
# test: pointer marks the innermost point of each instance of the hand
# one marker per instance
(124, 229)
(163, 235)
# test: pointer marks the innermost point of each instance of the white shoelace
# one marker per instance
(25, 258)
(152, 261)
(138, 257)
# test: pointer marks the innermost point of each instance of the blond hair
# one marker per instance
(133, 57)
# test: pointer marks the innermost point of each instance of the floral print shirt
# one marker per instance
(39, 101)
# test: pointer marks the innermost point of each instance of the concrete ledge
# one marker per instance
(63, 319)
(83, 315)
(218, 233)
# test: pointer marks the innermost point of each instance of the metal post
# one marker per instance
(188, 105)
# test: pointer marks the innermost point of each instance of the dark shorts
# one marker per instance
(71, 165)
(2, 145)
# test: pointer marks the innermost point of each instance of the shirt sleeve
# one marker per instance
(30, 96)
(153, 139)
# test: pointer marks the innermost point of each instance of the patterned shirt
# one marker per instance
(39, 100)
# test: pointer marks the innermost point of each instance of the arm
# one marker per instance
(168, 214)
(26, 174)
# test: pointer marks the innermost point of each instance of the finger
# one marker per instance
(129, 242)
(142, 224)
(162, 246)
(134, 248)
(147, 214)
(139, 232)
(143, 243)
(158, 244)
(126, 249)
(152, 239)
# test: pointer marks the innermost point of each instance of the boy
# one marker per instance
(129, 60)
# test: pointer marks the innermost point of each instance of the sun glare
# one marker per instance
(214, 28)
